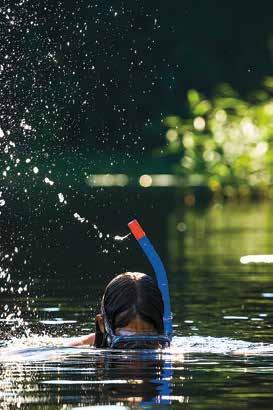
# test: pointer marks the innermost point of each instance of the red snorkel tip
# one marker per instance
(136, 229)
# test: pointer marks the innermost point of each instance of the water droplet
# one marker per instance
(48, 181)
(79, 218)
(121, 238)
(61, 197)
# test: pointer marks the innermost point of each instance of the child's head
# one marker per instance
(132, 304)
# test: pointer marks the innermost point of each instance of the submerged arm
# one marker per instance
(87, 340)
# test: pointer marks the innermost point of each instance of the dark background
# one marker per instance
(92, 81)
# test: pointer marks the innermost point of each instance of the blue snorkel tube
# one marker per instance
(160, 272)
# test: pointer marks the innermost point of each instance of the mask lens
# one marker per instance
(140, 342)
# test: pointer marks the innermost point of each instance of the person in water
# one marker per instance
(131, 315)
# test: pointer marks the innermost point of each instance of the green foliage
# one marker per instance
(225, 141)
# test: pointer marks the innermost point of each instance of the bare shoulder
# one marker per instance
(88, 340)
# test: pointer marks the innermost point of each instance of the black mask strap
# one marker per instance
(100, 338)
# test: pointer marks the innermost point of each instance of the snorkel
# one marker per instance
(160, 272)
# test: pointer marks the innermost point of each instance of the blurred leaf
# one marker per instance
(202, 107)
(268, 82)
(193, 98)
(172, 121)
(226, 90)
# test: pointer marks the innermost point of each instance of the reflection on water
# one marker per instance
(84, 376)
(87, 376)
(222, 352)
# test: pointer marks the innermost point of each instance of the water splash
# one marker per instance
(79, 218)
(121, 238)
(100, 234)
(48, 181)
(41, 347)
(61, 198)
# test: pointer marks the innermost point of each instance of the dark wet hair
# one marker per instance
(128, 296)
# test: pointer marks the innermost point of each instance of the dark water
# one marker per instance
(221, 355)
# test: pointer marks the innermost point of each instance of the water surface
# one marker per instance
(221, 356)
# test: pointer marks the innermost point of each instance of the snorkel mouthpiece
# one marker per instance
(160, 272)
